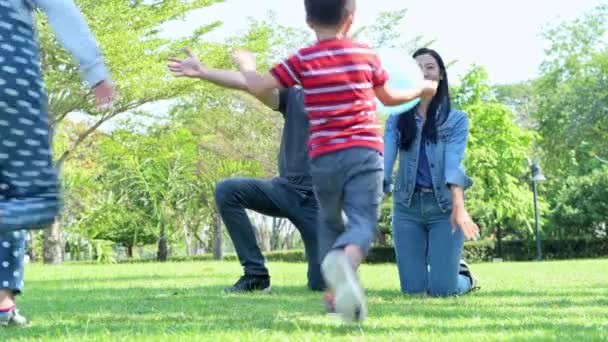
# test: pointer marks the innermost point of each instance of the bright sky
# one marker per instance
(504, 36)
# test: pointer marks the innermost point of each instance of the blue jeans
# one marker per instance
(276, 198)
(428, 251)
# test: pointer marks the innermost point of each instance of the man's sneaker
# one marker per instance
(340, 276)
(249, 283)
(12, 318)
(466, 271)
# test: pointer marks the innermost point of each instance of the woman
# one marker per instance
(29, 196)
(430, 221)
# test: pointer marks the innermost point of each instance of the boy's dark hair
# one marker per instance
(326, 12)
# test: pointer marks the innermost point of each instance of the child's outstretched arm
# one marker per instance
(192, 67)
(260, 84)
(283, 75)
(74, 34)
(391, 97)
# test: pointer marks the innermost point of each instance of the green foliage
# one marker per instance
(582, 206)
(148, 187)
(229, 124)
(515, 250)
(495, 159)
(473, 89)
(519, 98)
(386, 32)
(384, 223)
(129, 32)
(567, 106)
(136, 54)
(473, 252)
(137, 186)
(103, 252)
(481, 251)
(271, 41)
(292, 256)
(572, 97)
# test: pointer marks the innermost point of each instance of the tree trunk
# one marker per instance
(275, 233)
(32, 246)
(190, 250)
(218, 253)
(263, 237)
(258, 234)
(201, 245)
(382, 241)
(499, 241)
(53, 247)
(279, 232)
(130, 252)
(162, 245)
(288, 243)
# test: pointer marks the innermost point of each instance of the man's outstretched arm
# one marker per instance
(193, 68)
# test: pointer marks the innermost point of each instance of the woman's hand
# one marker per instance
(460, 216)
(461, 219)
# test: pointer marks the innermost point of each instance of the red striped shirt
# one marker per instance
(338, 78)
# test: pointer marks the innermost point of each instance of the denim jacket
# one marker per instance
(71, 30)
(445, 160)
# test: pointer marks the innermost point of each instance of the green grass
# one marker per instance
(558, 301)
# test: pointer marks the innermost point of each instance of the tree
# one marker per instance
(572, 96)
(212, 171)
(570, 106)
(385, 222)
(582, 207)
(385, 32)
(153, 186)
(215, 160)
(156, 174)
(500, 199)
(520, 99)
(129, 31)
(228, 122)
(80, 187)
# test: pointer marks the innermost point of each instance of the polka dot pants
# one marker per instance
(29, 197)
(12, 251)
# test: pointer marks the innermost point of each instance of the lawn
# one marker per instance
(560, 301)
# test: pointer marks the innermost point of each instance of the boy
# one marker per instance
(340, 79)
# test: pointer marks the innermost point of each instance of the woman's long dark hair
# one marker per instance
(437, 113)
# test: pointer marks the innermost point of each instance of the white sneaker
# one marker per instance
(340, 275)
(12, 318)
